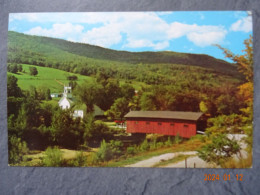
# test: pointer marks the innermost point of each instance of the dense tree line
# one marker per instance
(151, 74)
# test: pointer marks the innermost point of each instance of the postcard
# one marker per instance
(130, 89)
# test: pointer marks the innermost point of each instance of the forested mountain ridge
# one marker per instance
(51, 49)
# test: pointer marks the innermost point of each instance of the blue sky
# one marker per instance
(188, 32)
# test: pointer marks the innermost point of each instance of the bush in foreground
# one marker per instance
(16, 150)
(53, 157)
(220, 150)
(79, 161)
(105, 152)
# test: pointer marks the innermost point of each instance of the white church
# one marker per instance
(67, 101)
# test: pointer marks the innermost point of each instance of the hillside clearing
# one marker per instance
(50, 77)
(55, 79)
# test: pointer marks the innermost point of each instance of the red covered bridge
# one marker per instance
(163, 122)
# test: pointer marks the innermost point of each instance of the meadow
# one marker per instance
(55, 79)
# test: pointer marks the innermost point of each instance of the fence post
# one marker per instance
(185, 162)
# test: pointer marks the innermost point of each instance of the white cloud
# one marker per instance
(206, 38)
(201, 36)
(161, 45)
(244, 25)
(177, 30)
(67, 31)
(141, 29)
(104, 36)
(137, 26)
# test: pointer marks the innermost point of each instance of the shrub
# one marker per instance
(153, 145)
(168, 142)
(108, 150)
(130, 150)
(144, 146)
(101, 131)
(16, 150)
(104, 153)
(53, 157)
(93, 158)
(177, 139)
(79, 161)
(159, 144)
(202, 138)
(116, 147)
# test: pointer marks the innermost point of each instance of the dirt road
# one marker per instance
(192, 162)
(154, 160)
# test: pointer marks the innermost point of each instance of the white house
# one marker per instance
(55, 95)
(78, 113)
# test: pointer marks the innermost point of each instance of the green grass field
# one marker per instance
(50, 77)
(54, 79)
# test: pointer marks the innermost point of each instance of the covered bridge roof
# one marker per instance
(194, 116)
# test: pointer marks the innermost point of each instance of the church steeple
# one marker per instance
(67, 91)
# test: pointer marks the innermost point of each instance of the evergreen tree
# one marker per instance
(12, 87)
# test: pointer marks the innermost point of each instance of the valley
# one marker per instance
(116, 82)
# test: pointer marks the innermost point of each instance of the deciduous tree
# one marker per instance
(119, 108)
(33, 71)
(89, 93)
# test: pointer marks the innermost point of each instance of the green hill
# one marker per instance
(52, 52)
